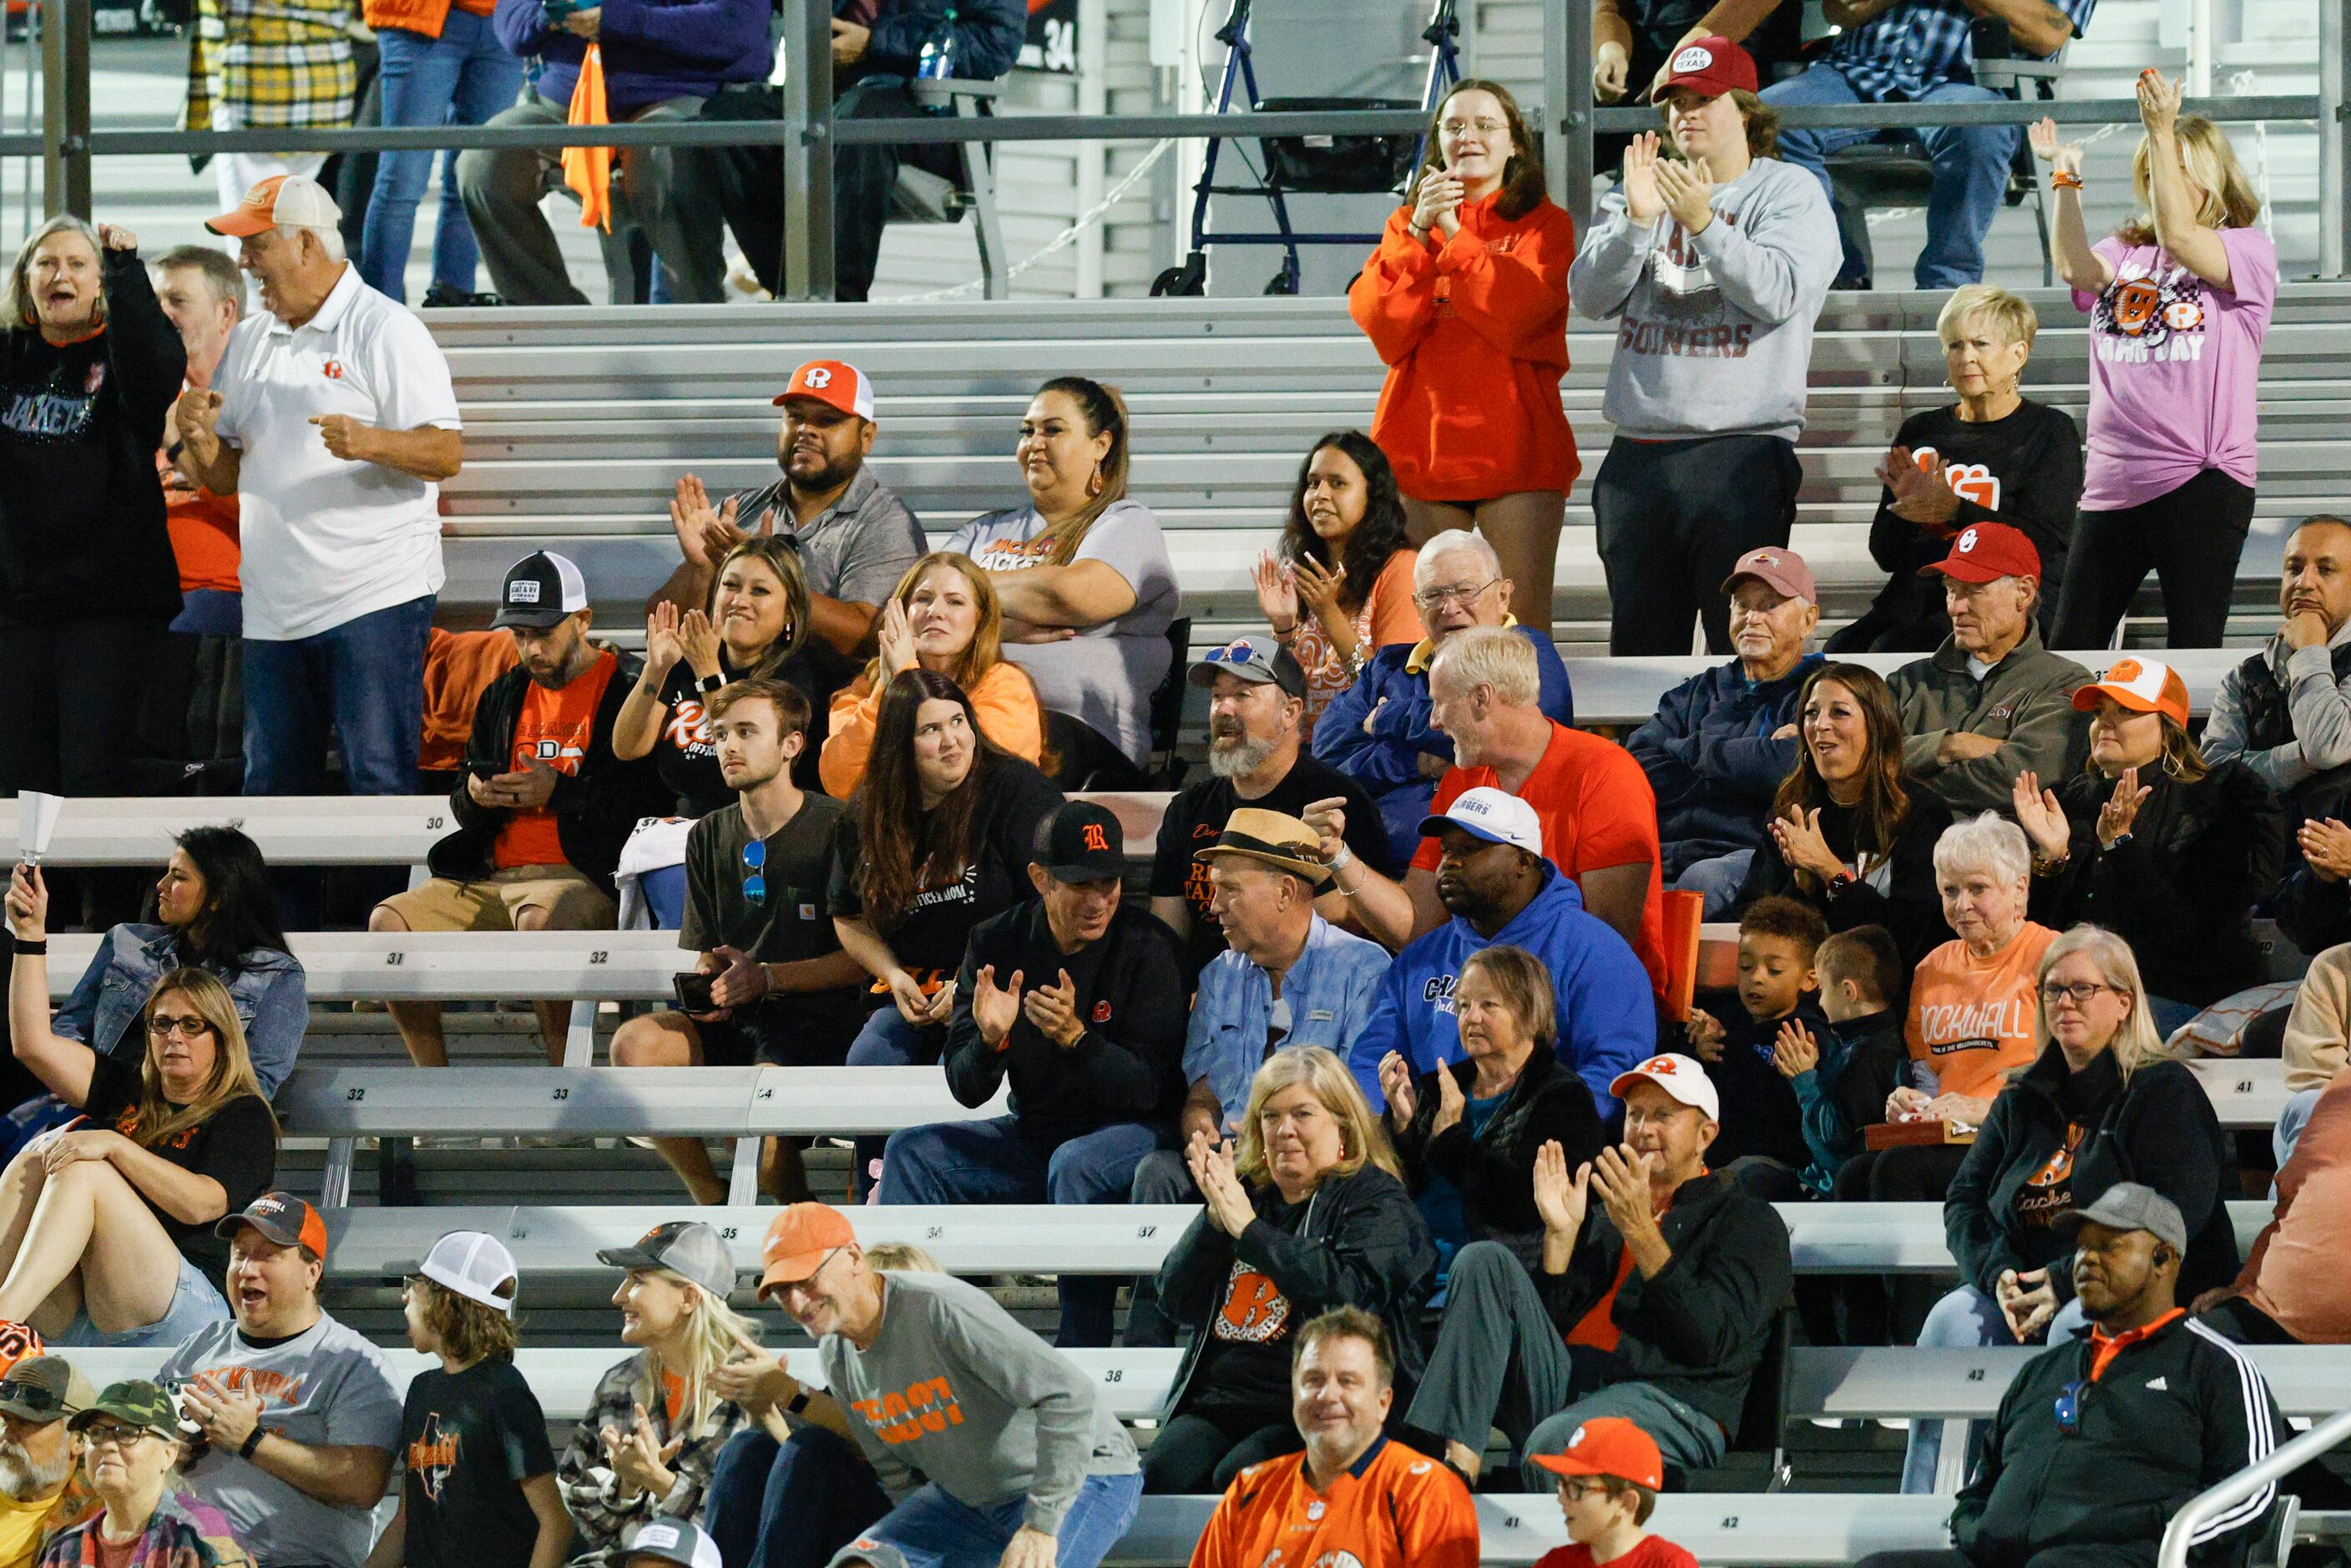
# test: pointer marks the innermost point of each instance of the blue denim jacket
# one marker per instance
(1330, 990)
(102, 1012)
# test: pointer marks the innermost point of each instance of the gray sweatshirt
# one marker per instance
(2320, 711)
(954, 1388)
(1714, 332)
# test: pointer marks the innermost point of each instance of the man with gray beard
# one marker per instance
(1257, 709)
(42, 1489)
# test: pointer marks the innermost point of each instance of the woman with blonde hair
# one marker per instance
(89, 367)
(2179, 300)
(1993, 457)
(943, 616)
(112, 1215)
(646, 1448)
(2097, 1106)
(1088, 590)
(1339, 1229)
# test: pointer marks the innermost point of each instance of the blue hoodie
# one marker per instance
(1607, 1010)
(1710, 756)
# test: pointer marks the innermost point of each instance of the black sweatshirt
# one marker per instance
(1760, 1114)
(2168, 1415)
(81, 503)
(1126, 1067)
(1910, 907)
(2024, 470)
(1494, 1171)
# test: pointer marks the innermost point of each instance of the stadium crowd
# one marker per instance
(1408, 1006)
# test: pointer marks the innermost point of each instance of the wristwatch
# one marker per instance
(1839, 882)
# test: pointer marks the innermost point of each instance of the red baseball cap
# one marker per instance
(797, 1241)
(2142, 685)
(1712, 66)
(834, 382)
(1781, 569)
(1609, 1446)
(1985, 552)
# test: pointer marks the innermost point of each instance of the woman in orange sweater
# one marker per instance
(1466, 300)
(943, 616)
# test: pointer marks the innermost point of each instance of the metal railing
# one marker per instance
(2311, 1446)
(806, 132)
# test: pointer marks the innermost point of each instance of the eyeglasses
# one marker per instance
(1482, 127)
(99, 1434)
(1578, 1488)
(1439, 598)
(2069, 1406)
(162, 1025)
(755, 862)
(2079, 993)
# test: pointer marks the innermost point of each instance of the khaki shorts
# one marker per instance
(572, 903)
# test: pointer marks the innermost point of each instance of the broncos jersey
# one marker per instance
(1392, 1509)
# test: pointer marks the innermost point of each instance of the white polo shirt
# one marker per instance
(327, 541)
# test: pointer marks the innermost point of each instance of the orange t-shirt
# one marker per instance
(1971, 1019)
(554, 728)
(673, 1397)
(1597, 810)
(1393, 1508)
(203, 526)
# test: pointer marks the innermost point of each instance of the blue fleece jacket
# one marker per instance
(1607, 1011)
(1710, 757)
(654, 50)
(1386, 761)
(987, 37)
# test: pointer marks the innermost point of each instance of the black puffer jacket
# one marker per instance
(1698, 1329)
(2158, 1130)
(1495, 1170)
(2181, 888)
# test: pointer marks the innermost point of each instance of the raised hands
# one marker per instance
(1643, 200)
(1396, 1084)
(1277, 595)
(1621, 1176)
(2062, 157)
(893, 640)
(1054, 1010)
(2042, 819)
(993, 1008)
(1211, 1164)
(1795, 1052)
(1560, 1199)
(1450, 1103)
(2159, 103)
(1438, 199)
(1803, 845)
(2121, 809)
(1318, 587)
(641, 1461)
(1687, 190)
(27, 903)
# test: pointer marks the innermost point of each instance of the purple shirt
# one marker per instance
(2175, 366)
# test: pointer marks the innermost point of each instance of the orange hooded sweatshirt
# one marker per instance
(1474, 333)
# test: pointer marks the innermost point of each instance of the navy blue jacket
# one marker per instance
(1710, 757)
(987, 37)
(654, 50)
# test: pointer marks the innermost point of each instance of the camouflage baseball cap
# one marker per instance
(134, 1403)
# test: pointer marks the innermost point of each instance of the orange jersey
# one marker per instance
(1392, 1508)
(554, 728)
(1473, 331)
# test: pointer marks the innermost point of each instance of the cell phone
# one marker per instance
(694, 992)
(557, 10)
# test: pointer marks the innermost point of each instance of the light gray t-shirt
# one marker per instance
(856, 549)
(956, 1390)
(1714, 332)
(325, 1386)
(1106, 673)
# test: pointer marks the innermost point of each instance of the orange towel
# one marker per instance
(588, 170)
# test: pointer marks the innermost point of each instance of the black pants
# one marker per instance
(2240, 1321)
(1892, 1310)
(70, 694)
(746, 183)
(2189, 538)
(1202, 1450)
(1673, 517)
(2087, 1554)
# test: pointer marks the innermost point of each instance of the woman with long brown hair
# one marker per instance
(112, 1216)
(1083, 572)
(943, 616)
(1852, 839)
(756, 626)
(936, 839)
(1466, 300)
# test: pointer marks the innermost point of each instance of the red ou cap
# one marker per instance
(1712, 66)
(1985, 552)
(1609, 1446)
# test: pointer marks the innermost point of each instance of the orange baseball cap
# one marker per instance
(797, 1241)
(2142, 685)
(281, 199)
(836, 383)
(1609, 1446)
(284, 1218)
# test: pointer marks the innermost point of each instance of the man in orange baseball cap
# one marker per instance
(856, 537)
(1609, 1478)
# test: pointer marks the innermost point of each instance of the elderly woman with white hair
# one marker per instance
(88, 367)
(1378, 731)
(2096, 1107)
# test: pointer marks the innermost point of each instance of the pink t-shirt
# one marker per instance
(2174, 370)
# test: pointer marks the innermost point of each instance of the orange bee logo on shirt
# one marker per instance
(1255, 1311)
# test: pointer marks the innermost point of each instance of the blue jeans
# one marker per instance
(1718, 881)
(788, 1505)
(461, 78)
(1971, 164)
(364, 679)
(931, 1530)
(1964, 1319)
(2290, 1124)
(996, 1162)
(196, 1305)
(887, 1040)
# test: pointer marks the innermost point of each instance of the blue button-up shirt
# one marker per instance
(1329, 993)
(1915, 45)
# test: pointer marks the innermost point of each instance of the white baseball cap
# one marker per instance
(1494, 815)
(1679, 1076)
(673, 1541)
(474, 1265)
(295, 199)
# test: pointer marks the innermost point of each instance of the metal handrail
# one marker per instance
(2320, 1439)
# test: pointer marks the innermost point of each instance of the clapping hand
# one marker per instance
(1211, 1164)
(2159, 103)
(1795, 1052)
(995, 1009)
(1560, 1199)
(664, 647)
(893, 640)
(1705, 1033)
(2121, 809)
(1621, 1175)
(1277, 595)
(1396, 1084)
(1687, 190)
(1054, 1010)
(196, 412)
(1450, 1103)
(1318, 586)
(2326, 845)
(756, 1379)
(1802, 844)
(698, 639)
(1921, 495)
(1643, 199)
(1439, 196)
(2062, 157)
(2042, 819)
(641, 1462)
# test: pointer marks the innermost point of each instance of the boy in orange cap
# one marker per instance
(1608, 1484)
